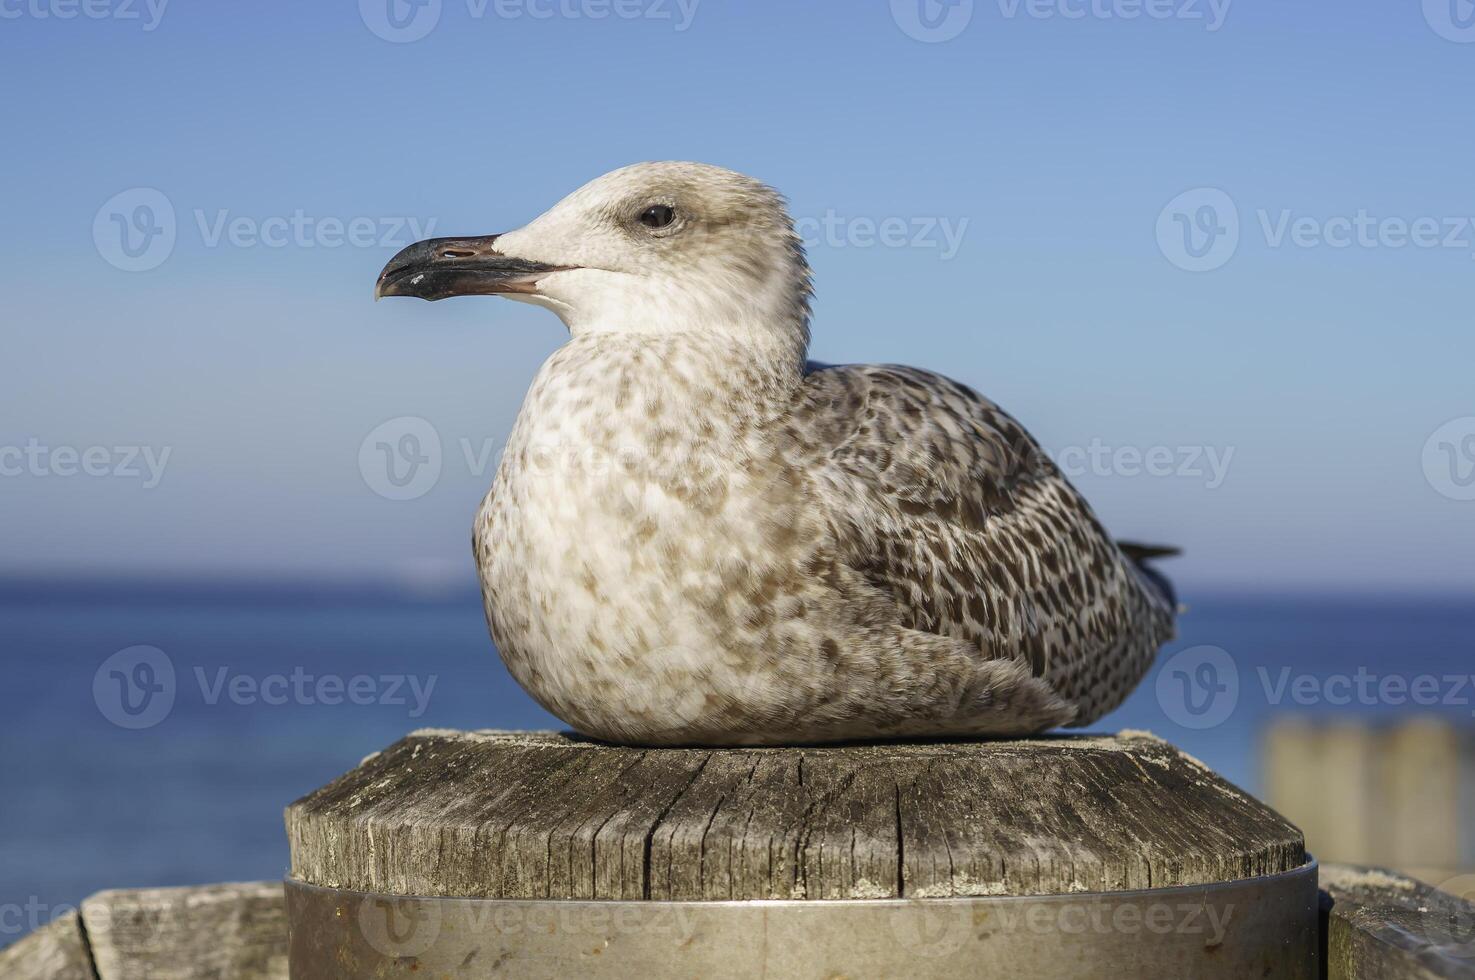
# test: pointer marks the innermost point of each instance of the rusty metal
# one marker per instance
(1260, 927)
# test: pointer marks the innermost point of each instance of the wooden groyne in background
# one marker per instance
(1399, 795)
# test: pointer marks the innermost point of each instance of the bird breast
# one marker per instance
(623, 519)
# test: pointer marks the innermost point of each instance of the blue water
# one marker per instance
(198, 796)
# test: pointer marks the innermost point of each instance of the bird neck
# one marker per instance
(715, 375)
(765, 321)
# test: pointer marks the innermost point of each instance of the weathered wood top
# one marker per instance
(1384, 926)
(230, 932)
(521, 815)
(56, 951)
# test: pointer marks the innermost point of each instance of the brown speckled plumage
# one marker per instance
(694, 537)
(948, 504)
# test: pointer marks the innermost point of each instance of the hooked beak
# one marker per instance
(443, 267)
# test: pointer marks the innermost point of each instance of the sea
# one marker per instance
(152, 733)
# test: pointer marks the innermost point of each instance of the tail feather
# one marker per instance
(1144, 552)
(1141, 554)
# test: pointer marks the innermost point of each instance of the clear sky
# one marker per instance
(1038, 197)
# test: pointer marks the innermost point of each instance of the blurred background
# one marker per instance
(1215, 254)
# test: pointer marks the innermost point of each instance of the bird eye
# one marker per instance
(658, 216)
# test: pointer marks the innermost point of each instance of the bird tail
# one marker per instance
(1141, 554)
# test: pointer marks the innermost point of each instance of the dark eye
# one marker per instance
(658, 216)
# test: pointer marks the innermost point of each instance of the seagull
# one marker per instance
(696, 536)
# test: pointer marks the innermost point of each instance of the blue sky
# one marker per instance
(1035, 167)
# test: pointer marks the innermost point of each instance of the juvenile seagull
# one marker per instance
(695, 537)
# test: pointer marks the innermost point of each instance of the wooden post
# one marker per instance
(1380, 925)
(501, 854)
(1400, 796)
(224, 932)
(56, 951)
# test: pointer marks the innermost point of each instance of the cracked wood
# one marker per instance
(518, 815)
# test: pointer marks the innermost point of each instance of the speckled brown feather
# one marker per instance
(946, 502)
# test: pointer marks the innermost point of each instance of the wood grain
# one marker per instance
(520, 815)
(224, 932)
(1380, 925)
(56, 951)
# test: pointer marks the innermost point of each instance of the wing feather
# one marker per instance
(945, 502)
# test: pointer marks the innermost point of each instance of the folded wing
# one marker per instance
(947, 504)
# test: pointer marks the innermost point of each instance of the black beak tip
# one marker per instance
(443, 267)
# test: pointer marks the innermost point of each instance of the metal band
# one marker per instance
(1262, 927)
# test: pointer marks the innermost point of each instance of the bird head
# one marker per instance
(649, 248)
